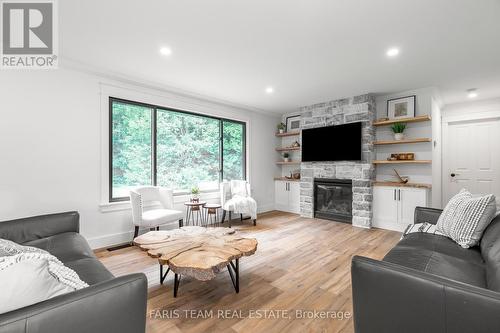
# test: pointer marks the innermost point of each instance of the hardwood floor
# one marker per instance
(300, 264)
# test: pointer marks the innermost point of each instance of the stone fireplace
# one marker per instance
(359, 173)
(333, 199)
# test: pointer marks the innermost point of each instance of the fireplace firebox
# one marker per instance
(333, 199)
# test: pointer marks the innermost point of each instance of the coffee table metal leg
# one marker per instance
(234, 272)
(177, 280)
(163, 276)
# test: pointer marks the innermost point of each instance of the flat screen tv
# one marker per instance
(332, 143)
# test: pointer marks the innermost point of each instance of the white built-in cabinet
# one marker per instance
(287, 196)
(394, 207)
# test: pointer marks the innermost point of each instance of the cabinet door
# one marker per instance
(408, 199)
(385, 207)
(294, 197)
(280, 196)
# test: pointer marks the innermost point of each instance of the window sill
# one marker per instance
(179, 199)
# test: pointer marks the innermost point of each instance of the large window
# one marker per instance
(151, 145)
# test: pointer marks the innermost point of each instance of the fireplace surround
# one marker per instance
(333, 199)
(361, 173)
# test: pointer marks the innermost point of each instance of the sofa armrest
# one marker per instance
(392, 298)
(36, 227)
(426, 214)
(117, 305)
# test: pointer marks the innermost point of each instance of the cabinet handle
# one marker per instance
(394, 194)
(287, 186)
(399, 195)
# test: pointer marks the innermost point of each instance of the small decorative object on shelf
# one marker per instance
(403, 107)
(281, 128)
(296, 144)
(402, 157)
(398, 129)
(402, 179)
(195, 194)
(296, 175)
(286, 157)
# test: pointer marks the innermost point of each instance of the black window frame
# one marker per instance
(154, 112)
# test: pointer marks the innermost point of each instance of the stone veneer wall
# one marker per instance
(342, 111)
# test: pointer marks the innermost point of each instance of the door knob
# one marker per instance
(453, 174)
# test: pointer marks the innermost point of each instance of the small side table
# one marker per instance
(194, 212)
(211, 212)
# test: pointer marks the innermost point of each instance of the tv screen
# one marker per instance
(332, 143)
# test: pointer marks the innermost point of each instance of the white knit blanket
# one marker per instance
(242, 205)
(12, 253)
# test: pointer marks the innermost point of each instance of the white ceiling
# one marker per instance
(309, 51)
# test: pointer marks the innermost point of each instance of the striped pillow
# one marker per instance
(465, 217)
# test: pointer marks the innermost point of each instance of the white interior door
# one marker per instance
(471, 157)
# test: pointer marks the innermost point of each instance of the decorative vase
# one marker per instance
(281, 131)
(287, 159)
(399, 136)
(195, 197)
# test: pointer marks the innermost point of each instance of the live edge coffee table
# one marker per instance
(197, 252)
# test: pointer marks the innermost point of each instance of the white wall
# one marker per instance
(437, 192)
(423, 151)
(52, 147)
(472, 108)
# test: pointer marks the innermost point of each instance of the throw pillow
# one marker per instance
(427, 228)
(30, 275)
(465, 217)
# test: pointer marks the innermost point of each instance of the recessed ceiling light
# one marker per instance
(472, 93)
(392, 52)
(269, 90)
(166, 51)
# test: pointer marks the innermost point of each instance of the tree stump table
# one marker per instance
(197, 252)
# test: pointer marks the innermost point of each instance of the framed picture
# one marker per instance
(292, 123)
(403, 107)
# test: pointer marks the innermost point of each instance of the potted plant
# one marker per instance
(195, 194)
(286, 157)
(281, 128)
(398, 129)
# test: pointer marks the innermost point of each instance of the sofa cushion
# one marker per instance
(73, 250)
(440, 256)
(90, 270)
(490, 250)
(67, 246)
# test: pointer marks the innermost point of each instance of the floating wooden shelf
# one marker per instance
(396, 184)
(286, 179)
(393, 142)
(287, 134)
(403, 120)
(285, 163)
(287, 148)
(403, 162)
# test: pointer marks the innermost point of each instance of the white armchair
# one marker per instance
(235, 198)
(153, 218)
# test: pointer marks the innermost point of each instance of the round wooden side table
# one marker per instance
(211, 212)
(194, 212)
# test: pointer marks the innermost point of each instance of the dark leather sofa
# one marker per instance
(109, 304)
(428, 283)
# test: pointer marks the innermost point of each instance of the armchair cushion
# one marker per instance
(155, 217)
(242, 205)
